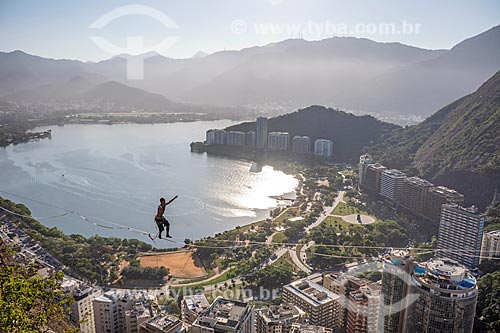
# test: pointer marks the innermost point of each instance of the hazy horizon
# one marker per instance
(222, 25)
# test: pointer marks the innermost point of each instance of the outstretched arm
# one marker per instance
(171, 200)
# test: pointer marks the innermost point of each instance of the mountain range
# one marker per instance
(458, 146)
(350, 73)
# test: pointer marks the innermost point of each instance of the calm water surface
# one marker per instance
(118, 173)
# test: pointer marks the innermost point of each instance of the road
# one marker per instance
(300, 262)
(275, 256)
(328, 211)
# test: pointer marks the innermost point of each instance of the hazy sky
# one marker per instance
(61, 29)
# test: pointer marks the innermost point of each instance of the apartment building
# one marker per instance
(415, 192)
(437, 197)
(391, 185)
(301, 144)
(278, 318)
(192, 307)
(323, 307)
(461, 234)
(323, 148)
(278, 141)
(373, 177)
(446, 298)
(491, 245)
(225, 316)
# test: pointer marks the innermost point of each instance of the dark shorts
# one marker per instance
(161, 223)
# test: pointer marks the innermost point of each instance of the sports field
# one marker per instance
(185, 264)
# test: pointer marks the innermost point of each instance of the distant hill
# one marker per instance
(297, 72)
(458, 146)
(430, 84)
(388, 79)
(62, 92)
(124, 96)
(350, 133)
(93, 88)
(22, 71)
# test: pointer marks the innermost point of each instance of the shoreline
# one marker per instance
(230, 222)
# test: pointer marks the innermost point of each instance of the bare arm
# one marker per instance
(171, 200)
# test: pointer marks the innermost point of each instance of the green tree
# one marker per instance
(29, 302)
(488, 303)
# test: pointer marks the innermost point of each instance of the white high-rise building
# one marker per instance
(262, 131)
(323, 148)
(391, 185)
(461, 229)
(216, 137)
(301, 144)
(82, 310)
(364, 161)
(135, 317)
(114, 311)
(445, 296)
(235, 138)
(250, 138)
(396, 270)
(278, 140)
(106, 313)
(491, 245)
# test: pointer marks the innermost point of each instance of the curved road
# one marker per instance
(300, 262)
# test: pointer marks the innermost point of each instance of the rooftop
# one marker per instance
(419, 182)
(397, 257)
(299, 328)
(369, 290)
(471, 211)
(377, 166)
(445, 274)
(82, 292)
(223, 312)
(138, 311)
(163, 322)
(448, 269)
(394, 173)
(366, 159)
(196, 303)
(346, 278)
(216, 130)
(311, 292)
(280, 312)
(445, 191)
(494, 233)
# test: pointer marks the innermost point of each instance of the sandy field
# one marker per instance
(181, 264)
